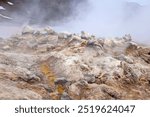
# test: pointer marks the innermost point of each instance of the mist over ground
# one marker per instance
(111, 18)
(105, 18)
(16, 14)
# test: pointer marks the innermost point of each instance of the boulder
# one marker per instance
(27, 30)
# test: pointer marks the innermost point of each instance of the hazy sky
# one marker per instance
(106, 18)
(143, 2)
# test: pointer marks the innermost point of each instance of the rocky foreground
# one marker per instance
(44, 64)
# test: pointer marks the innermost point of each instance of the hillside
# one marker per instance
(45, 64)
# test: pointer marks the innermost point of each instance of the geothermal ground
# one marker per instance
(44, 64)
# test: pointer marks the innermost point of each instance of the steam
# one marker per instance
(39, 12)
(17, 13)
(105, 18)
(113, 18)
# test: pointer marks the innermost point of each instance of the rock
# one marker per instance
(6, 47)
(27, 30)
(44, 48)
(90, 78)
(44, 32)
(85, 35)
(44, 64)
(125, 58)
(93, 91)
(132, 49)
(74, 92)
(144, 53)
(64, 35)
(10, 91)
(129, 73)
(95, 43)
(65, 96)
(127, 37)
(25, 74)
(49, 30)
(61, 81)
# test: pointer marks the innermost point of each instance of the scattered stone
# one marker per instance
(90, 78)
(49, 30)
(6, 47)
(26, 75)
(61, 81)
(125, 58)
(64, 35)
(44, 64)
(27, 30)
(127, 37)
(65, 96)
(85, 35)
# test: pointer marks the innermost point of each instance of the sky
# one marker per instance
(142, 2)
(106, 18)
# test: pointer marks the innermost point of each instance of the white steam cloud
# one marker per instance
(105, 18)
(17, 13)
(111, 18)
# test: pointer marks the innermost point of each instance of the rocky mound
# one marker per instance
(44, 64)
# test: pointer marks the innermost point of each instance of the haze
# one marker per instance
(112, 18)
(108, 18)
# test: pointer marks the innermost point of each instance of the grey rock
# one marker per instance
(85, 35)
(27, 30)
(61, 81)
(125, 58)
(90, 78)
(65, 96)
(49, 30)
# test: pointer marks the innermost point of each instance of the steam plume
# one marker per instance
(38, 11)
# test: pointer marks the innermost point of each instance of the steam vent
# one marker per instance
(45, 64)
